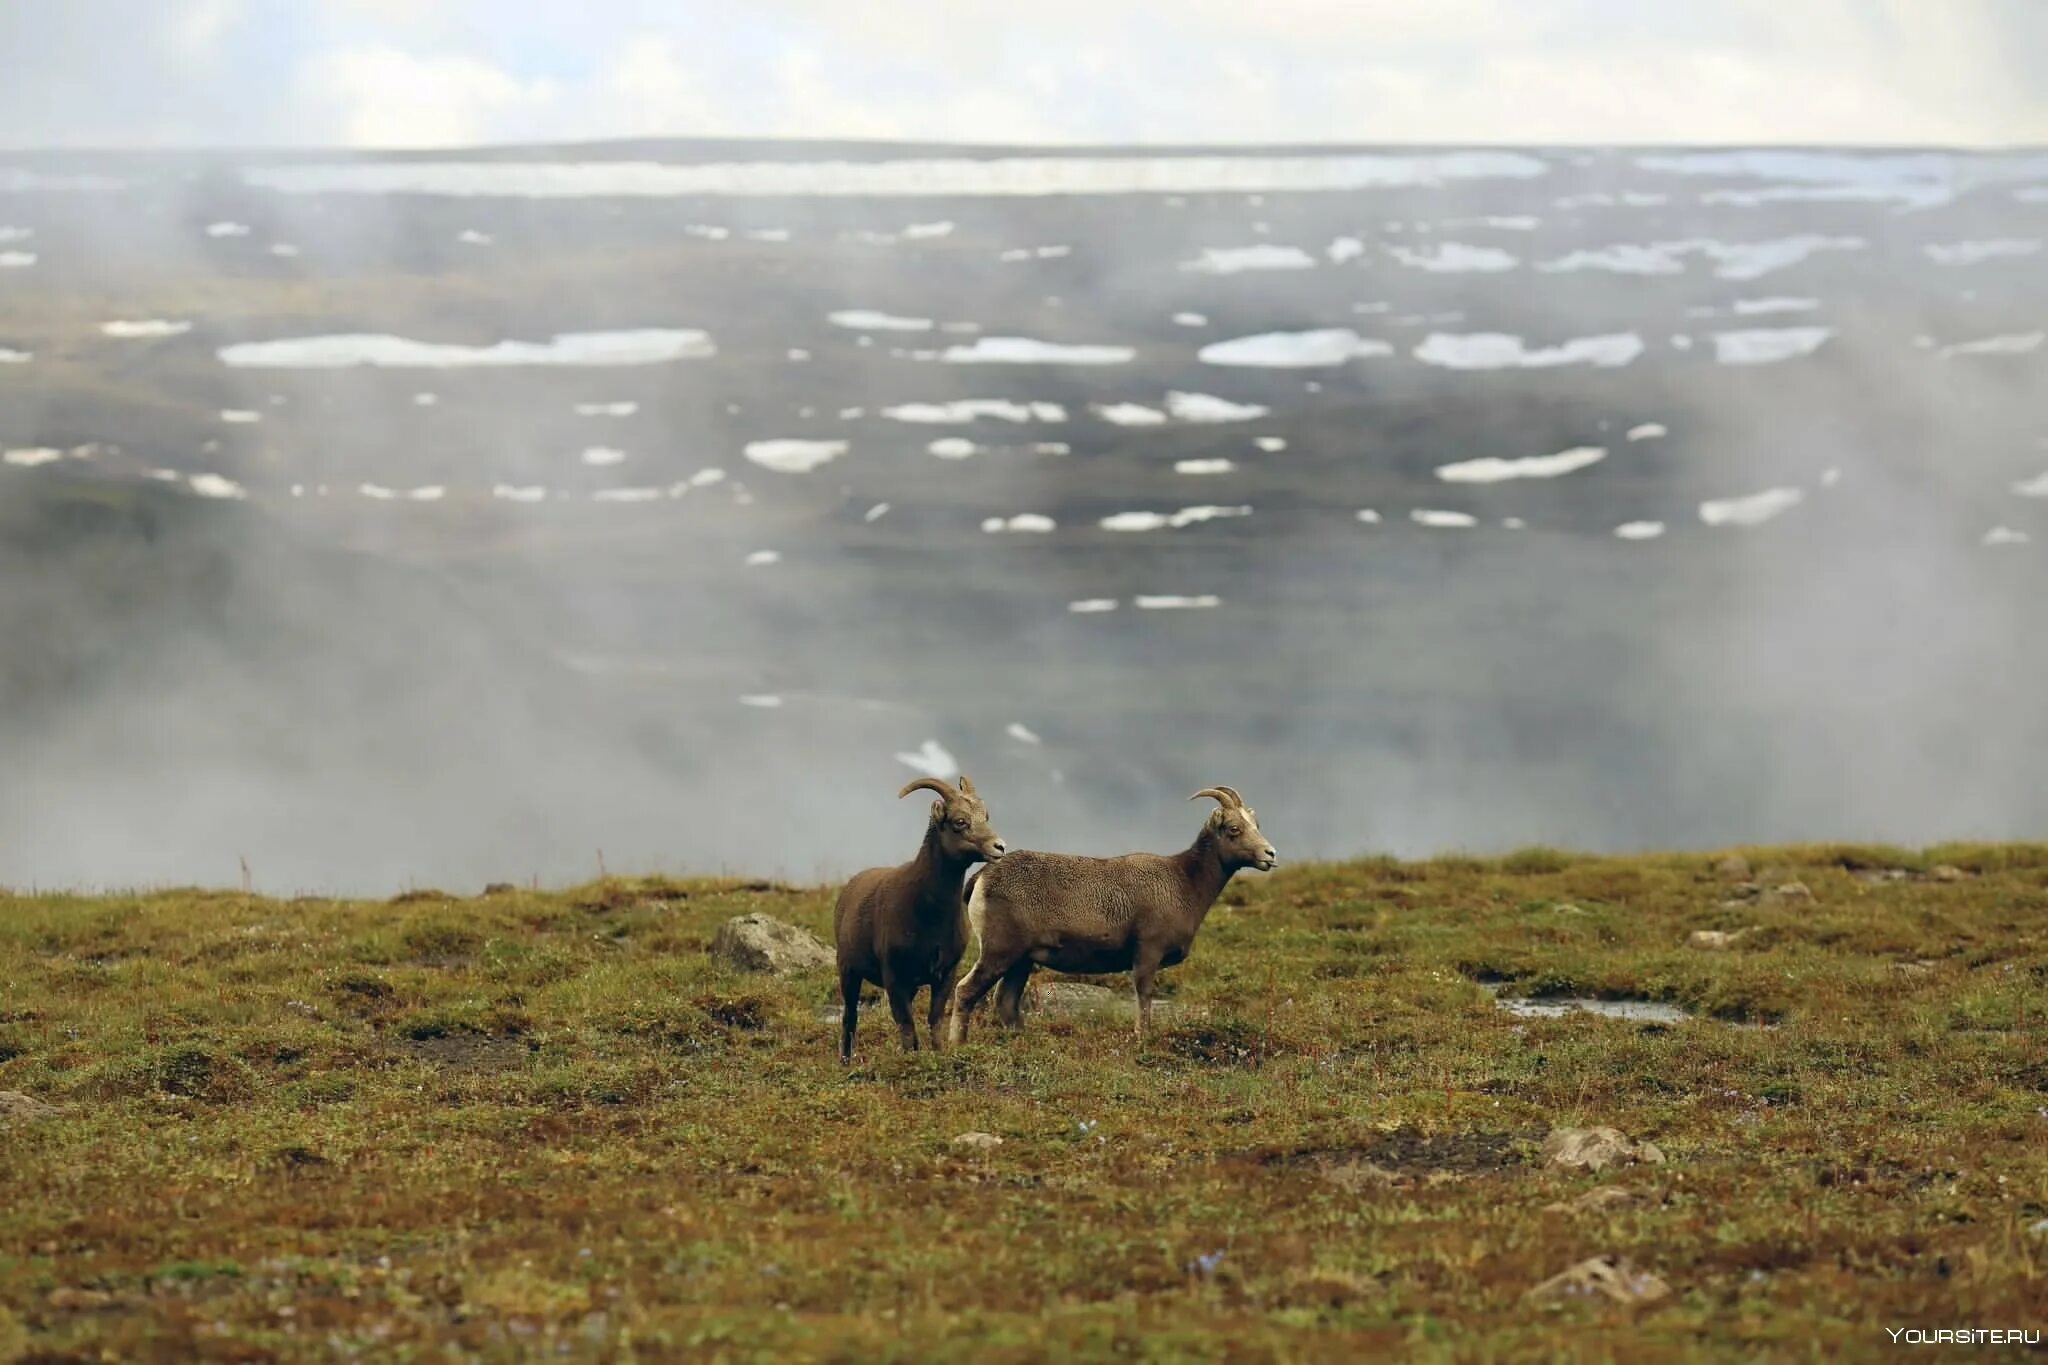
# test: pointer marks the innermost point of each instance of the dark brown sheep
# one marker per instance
(1136, 913)
(903, 927)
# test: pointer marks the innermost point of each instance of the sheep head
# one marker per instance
(960, 820)
(1235, 827)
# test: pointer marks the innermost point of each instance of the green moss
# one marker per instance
(542, 1122)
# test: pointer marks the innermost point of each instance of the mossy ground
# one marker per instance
(547, 1123)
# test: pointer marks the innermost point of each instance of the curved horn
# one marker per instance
(1231, 792)
(930, 784)
(1224, 796)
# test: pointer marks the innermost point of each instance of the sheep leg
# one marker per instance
(849, 1013)
(942, 996)
(1141, 979)
(899, 1005)
(978, 983)
(1010, 998)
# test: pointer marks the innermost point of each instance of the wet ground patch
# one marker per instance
(1403, 1155)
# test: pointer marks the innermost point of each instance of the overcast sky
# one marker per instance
(413, 73)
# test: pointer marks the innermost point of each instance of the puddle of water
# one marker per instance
(1557, 1006)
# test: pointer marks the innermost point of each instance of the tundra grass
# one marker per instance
(535, 1123)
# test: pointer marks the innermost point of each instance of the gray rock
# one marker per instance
(1948, 873)
(1716, 939)
(16, 1107)
(1595, 1149)
(1734, 868)
(763, 943)
(978, 1142)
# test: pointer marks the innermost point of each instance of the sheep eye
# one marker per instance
(1232, 830)
(959, 824)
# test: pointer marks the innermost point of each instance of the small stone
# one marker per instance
(1788, 891)
(1603, 1277)
(1595, 1149)
(1948, 873)
(500, 889)
(1734, 868)
(978, 1142)
(1716, 939)
(79, 1300)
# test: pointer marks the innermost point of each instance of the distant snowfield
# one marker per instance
(1088, 605)
(1494, 470)
(32, 456)
(1639, 530)
(13, 357)
(793, 456)
(1032, 522)
(519, 493)
(2013, 343)
(1910, 179)
(227, 229)
(1734, 260)
(17, 260)
(1766, 346)
(869, 320)
(645, 346)
(215, 486)
(1158, 521)
(626, 409)
(1232, 260)
(145, 329)
(1454, 258)
(2005, 535)
(1752, 510)
(1190, 320)
(1441, 520)
(1175, 602)
(1025, 351)
(628, 495)
(1970, 253)
(1499, 351)
(1647, 431)
(599, 457)
(1203, 466)
(992, 176)
(239, 416)
(1181, 407)
(953, 448)
(1035, 253)
(1317, 349)
(1749, 307)
(932, 759)
(970, 409)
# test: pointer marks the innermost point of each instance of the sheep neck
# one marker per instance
(938, 872)
(1207, 874)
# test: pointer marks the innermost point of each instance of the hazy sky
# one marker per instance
(410, 73)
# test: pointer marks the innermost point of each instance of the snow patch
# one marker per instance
(1500, 351)
(1752, 510)
(1494, 470)
(646, 346)
(793, 456)
(1320, 348)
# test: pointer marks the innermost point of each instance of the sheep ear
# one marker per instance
(938, 811)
